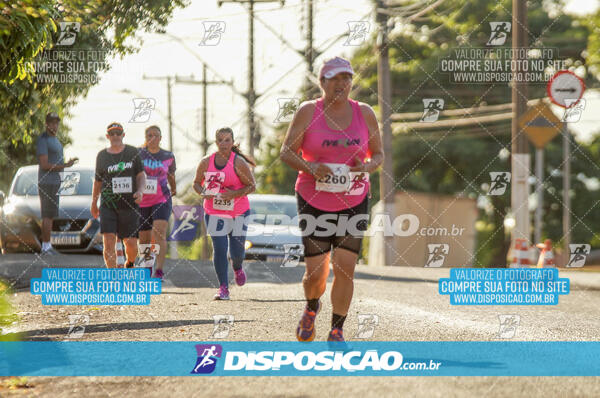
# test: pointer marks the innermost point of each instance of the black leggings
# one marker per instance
(317, 244)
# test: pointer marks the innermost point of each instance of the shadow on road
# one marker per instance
(44, 334)
(363, 275)
(274, 301)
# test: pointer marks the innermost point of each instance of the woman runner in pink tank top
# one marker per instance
(334, 144)
(224, 179)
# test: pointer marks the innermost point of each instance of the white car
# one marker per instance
(273, 228)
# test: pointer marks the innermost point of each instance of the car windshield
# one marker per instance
(274, 212)
(72, 183)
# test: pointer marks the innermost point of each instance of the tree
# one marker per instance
(29, 32)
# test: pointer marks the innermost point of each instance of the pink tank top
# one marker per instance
(326, 145)
(228, 178)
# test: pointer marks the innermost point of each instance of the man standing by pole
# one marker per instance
(49, 151)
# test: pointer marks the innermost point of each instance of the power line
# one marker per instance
(250, 95)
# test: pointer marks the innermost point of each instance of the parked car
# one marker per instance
(74, 230)
(275, 227)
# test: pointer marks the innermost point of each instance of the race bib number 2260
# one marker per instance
(336, 182)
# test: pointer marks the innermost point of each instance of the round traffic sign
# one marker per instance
(565, 89)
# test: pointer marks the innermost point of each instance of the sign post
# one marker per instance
(566, 89)
(541, 126)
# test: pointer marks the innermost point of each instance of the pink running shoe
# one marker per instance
(222, 293)
(240, 277)
(159, 274)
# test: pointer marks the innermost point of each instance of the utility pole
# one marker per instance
(520, 146)
(169, 80)
(204, 141)
(309, 52)
(386, 180)
(205, 83)
(250, 95)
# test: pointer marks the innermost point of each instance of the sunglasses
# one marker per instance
(113, 133)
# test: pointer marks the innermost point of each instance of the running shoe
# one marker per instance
(306, 327)
(222, 293)
(336, 341)
(159, 274)
(240, 277)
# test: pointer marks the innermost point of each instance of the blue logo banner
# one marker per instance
(278, 358)
(187, 220)
(503, 286)
(95, 286)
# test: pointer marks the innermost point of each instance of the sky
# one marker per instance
(279, 72)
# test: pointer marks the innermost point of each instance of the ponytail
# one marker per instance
(236, 147)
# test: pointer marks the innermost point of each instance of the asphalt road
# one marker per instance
(268, 307)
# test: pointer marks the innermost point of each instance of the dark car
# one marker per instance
(74, 230)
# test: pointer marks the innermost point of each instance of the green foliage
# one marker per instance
(193, 250)
(28, 31)
(274, 176)
(7, 314)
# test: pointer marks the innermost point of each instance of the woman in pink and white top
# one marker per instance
(225, 179)
(334, 143)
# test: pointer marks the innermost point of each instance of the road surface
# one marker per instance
(268, 307)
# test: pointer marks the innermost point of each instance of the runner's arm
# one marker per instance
(292, 142)
(199, 180)
(375, 146)
(171, 180)
(140, 181)
(96, 187)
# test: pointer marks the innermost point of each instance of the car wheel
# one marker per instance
(3, 247)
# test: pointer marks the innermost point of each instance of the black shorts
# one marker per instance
(316, 241)
(123, 222)
(49, 200)
(159, 211)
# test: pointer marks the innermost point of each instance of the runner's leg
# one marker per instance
(145, 237)
(237, 240)
(110, 253)
(145, 233)
(131, 249)
(220, 244)
(344, 262)
(128, 227)
(159, 232)
(315, 275)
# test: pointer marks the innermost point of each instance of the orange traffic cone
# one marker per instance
(546, 259)
(520, 254)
